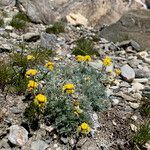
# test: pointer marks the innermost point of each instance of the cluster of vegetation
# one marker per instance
(143, 134)
(84, 46)
(56, 28)
(12, 73)
(1, 22)
(62, 94)
(66, 96)
(19, 21)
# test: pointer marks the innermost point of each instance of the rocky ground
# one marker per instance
(116, 126)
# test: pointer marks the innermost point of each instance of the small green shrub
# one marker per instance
(1, 22)
(60, 110)
(19, 21)
(57, 27)
(6, 74)
(143, 134)
(84, 47)
(145, 107)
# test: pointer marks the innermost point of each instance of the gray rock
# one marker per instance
(31, 37)
(15, 110)
(140, 73)
(97, 65)
(38, 145)
(137, 87)
(18, 135)
(134, 105)
(64, 140)
(141, 80)
(127, 73)
(48, 41)
(135, 45)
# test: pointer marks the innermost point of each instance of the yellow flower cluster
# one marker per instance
(32, 85)
(31, 72)
(40, 100)
(69, 88)
(85, 58)
(49, 65)
(107, 61)
(84, 128)
(30, 57)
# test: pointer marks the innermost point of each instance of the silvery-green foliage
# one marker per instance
(89, 91)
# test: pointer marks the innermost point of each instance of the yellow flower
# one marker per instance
(32, 85)
(31, 72)
(80, 58)
(49, 65)
(40, 100)
(69, 88)
(84, 128)
(117, 71)
(30, 57)
(87, 58)
(107, 61)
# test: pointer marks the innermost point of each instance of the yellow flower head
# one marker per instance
(30, 57)
(117, 71)
(32, 85)
(84, 128)
(31, 72)
(40, 100)
(49, 65)
(87, 58)
(80, 58)
(69, 88)
(107, 61)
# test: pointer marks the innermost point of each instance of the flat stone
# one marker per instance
(39, 145)
(141, 80)
(18, 135)
(77, 19)
(142, 73)
(127, 73)
(133, 127)
(135, 45)
(31, 37)
(97, 65)
(137, 86)
(134, 105)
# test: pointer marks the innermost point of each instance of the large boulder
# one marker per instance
(98, 12)
(132, 25)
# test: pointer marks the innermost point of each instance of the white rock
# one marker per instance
(18, 135)
(134, 117)
(9, 28)
(127, 73)
(115, 102)
(133, 127)
(97, 65)
(137, 86)
(147, 145)
(134, 105)
(38, 145)
(76, 19)
(141, 80)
